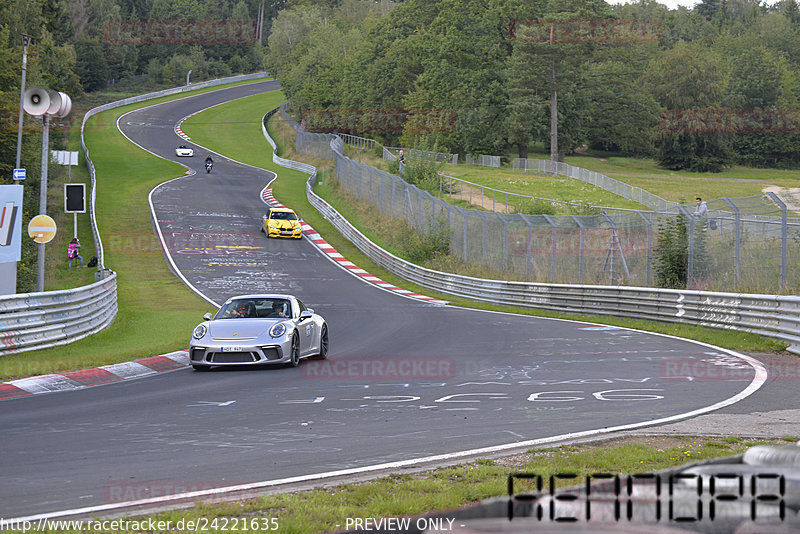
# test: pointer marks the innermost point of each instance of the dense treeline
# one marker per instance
(84, 46)
(80, 46)
(697, 88)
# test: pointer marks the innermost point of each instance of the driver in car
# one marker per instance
(242, 309)
(277, 310)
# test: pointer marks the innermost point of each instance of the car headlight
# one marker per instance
(278, 330)
(199, 331)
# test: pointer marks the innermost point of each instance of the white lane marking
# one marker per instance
(758, 381)
(211, 403)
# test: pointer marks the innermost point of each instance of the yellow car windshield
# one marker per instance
(283, 216)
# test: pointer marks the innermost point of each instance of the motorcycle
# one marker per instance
(209, 164)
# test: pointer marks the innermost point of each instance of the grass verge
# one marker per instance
(125, 176)
(459, 486)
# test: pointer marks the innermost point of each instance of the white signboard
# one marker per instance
(10, 223)
(65, 157)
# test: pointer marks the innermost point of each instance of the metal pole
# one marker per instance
(505, 242)
(528, 248)
(736, 239)
(784, 236)
(25, 41)
(484, 251)
(581, 229)
(690, 262)
(553, 253)
(43, 198)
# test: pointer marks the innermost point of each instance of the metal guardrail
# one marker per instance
(772, 316)
(31, 321)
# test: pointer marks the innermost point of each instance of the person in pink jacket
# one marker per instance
(73, 251)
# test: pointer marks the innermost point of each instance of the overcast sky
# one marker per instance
(672, 4)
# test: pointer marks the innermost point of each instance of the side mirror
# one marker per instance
(207, 317)
(305, 314)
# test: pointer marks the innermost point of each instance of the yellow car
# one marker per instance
(282, 222)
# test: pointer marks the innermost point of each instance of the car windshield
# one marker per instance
(255, 308)
(283, 215)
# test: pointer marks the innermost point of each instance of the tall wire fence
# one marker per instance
(741, 244)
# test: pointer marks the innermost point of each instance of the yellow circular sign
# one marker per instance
(42, 229)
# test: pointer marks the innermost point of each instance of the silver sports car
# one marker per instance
(258, 329)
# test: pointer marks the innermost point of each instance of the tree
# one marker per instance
(622, 117)
(92, 67)
(684, 79)
(549, 64)
(459, 51)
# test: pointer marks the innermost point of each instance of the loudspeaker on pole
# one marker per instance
(36, 101)
(60, 104)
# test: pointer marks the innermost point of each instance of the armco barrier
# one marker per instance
(30, 321)
(769, 315)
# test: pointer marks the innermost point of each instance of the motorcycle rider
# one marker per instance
(209, 163)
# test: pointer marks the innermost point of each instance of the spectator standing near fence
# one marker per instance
(402, 157)
(701, 209)
(73, 251)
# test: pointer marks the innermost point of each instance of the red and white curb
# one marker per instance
(327, 249)
(178, 130)
(85, 378)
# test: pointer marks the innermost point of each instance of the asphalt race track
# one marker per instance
(404, 380)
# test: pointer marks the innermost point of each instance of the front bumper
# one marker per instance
(238, 356)
(296, 233)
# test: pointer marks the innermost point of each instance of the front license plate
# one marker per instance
(232, 349)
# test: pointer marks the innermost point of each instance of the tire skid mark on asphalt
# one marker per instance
(326, 248)
(85, 378)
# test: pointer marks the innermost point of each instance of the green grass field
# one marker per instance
(737, 181)
(537, 185)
